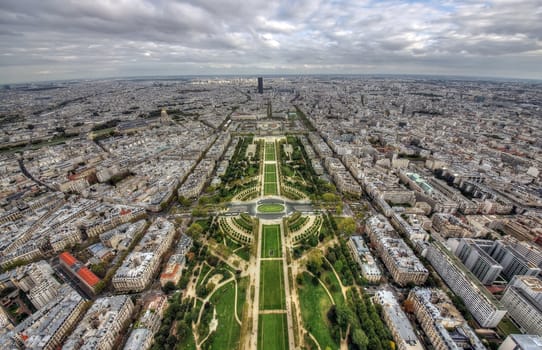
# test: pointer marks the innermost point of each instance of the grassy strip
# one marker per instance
(271, 241)
(272, 334)
(271, 285)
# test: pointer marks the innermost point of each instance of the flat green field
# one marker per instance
(272, 334)
(271, 208)
(228, 330)
(270, 179)
(315, 304)
(269, 151)
(271, 285)
(270, 188)
(270, 176)
(271, 247)
(270, 168)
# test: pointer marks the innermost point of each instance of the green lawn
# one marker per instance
(270, 177)
(271, 247)
(271, 285)
(243, 253)
(271, 208)
(332, 284)
(269, 151)
(228, 331)
(272, 333)
(270, 188)
(315, 304)
(270, 168)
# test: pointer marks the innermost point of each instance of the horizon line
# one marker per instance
(275, 75)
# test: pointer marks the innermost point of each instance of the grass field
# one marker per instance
(271, 171)
(332, 284)
(270, 189)
(243, 253)
(228, 331)
(269, 151)
(270, 179)
(270, 176)
(271, 247)
(272, 334)
(271, 208)
(271, 285)
(315, 304)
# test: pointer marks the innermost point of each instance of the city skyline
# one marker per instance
(55, 41)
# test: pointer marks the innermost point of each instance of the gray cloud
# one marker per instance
(58, 39)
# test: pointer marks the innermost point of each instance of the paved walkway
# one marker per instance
(289, 318)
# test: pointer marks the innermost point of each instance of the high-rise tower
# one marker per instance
(260, 85)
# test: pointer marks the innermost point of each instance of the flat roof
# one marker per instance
(67, 258)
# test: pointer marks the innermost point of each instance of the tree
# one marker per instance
(185, 202)
(315, 261)
(200, 212)
(195, 230)
(169, 287)
(347, 225)
(345, 316)
(212, 260)
(98, 269)
(360, 339)
(182, 329)
(329, 197)
(99, 287)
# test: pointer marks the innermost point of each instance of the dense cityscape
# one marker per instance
(283, 212)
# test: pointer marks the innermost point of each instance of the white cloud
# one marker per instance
(230, 36)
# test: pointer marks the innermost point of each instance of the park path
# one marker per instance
(325, 288)
(344, 289)
(289, 318)
(235, 305)
(256, 283)
(315, 341)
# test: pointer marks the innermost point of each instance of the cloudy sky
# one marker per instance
(65, 39)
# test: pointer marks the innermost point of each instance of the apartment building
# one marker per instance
(441, 321)
(523, 300)
(483, 306)
(101, 325)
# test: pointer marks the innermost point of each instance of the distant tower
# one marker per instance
(260, 85)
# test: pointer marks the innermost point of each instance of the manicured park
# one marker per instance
(270, 189)
(272, 333)
(270, 179)
(271, 285)
(272, 324)
(269, 151)
(271, 247)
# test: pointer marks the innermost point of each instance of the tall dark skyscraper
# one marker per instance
(260, 85)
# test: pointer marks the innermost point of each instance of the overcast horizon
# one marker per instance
(58, 40)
